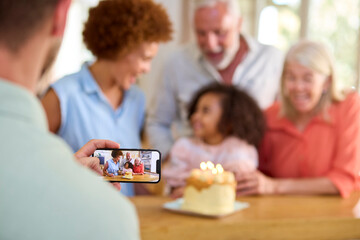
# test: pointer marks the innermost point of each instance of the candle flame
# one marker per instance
(210, 165)
(214, 171)
(219, 168)
(203, 166)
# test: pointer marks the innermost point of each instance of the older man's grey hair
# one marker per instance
(232, 5)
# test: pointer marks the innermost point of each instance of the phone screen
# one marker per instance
(130, 165)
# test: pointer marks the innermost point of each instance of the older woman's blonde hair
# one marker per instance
(316, 57)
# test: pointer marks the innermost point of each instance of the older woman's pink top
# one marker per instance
(233, 154)
(324, 149)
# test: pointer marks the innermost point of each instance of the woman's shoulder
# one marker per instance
(352, 98)
(273, 110)
(350, 102)
(67, 85)
(68, 81)
(272, 115)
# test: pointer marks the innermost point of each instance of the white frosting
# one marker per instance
(216, 199)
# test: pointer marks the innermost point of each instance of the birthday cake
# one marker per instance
(128, 175)
(210, 190)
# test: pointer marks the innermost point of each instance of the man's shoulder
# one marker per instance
(263, 49)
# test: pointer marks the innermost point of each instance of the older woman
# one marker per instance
(101, 101)
(138, 168)
(312, 142)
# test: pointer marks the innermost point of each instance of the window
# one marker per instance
(335, 23)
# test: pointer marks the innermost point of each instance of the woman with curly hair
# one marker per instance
(101, 100)
(227, 125)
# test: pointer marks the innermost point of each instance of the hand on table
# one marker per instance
(177, 192)
(84, 153)
(255, 182)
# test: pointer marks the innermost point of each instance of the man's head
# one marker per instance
(217, 26)
(31, 28)
(128, 157)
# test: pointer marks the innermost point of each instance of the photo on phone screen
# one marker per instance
(130, 165)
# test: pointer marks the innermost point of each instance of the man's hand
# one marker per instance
(90, 147)
(84, 153)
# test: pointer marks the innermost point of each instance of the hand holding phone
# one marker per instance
(130, 165)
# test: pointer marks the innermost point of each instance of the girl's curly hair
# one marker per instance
(116, 27)
(241, 116)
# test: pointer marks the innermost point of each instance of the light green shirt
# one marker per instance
(44, 192)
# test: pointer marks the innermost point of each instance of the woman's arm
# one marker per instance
(105, 172)
(51, 105)
(346, 164)
(258, 183)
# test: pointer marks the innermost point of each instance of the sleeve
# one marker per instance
(161, 117)
(346, 165)
(240, 157)
(178, 169)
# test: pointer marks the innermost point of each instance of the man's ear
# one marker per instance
(59, 19)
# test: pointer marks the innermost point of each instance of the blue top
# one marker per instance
(86, 113)
(113, 167)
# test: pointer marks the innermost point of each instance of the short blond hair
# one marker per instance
(317, 57)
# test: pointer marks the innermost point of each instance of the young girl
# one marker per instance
(128, 167)
(227, 126)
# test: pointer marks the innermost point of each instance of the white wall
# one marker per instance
(150, 82)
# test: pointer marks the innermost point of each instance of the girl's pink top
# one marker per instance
(233, 154)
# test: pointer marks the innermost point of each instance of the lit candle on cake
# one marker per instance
(211, 173)
(219, 168)
(203, 166)
(209, 165)
(210, 190)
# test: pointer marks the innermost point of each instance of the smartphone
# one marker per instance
(130, 165)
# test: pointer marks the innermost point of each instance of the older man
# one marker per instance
(127, 159)
(221, 54)
(45, 192)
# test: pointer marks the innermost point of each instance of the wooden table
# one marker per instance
(147, 177)
(268, 217)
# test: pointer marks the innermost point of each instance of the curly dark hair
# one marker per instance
(117, 152)
(130, 165)
(241, 116)
(116, 27)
